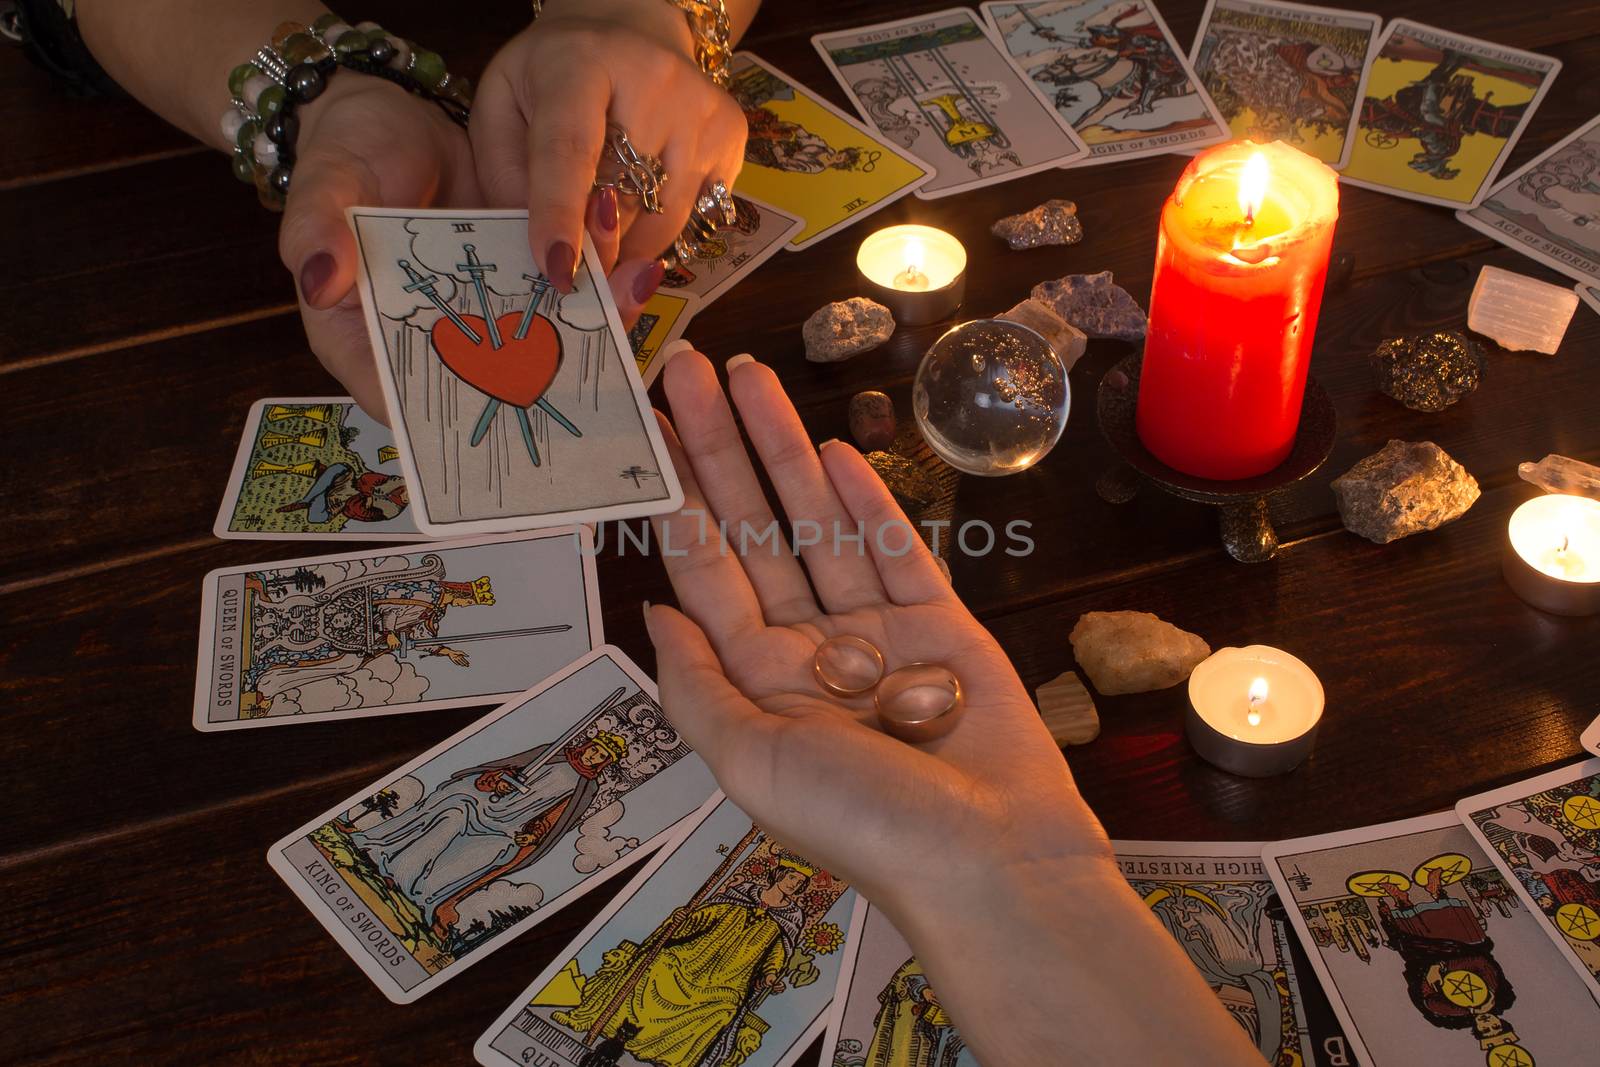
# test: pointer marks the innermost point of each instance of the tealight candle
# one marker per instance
(917, 272)
(1552, 560)
(1253, 711)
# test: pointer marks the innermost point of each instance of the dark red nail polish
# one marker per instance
(648, 281)
(608, 208)
(314, 276)
(561, 264)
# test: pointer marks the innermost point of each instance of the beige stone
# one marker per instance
(1068, 710)
(1068, 341)
(1134, 651)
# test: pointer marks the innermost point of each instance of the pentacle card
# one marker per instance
(515, 407)
(1549, 210)
(723, 950)
(1441, 112)
(1217, 902)
(940, 86)
(1544, 833)
(373, 633)
(431, 868)
(808, 158)
(1113, 72)
(1427, 953)
(315, 468)
(661, 321)
(1287, 72)
(884, 1011)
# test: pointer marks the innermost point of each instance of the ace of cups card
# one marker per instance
(514, 406)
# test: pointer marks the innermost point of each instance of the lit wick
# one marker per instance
(1258, 696)
(1252, 188)
(912, 280)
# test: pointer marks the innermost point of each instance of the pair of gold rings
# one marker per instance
(919, 702)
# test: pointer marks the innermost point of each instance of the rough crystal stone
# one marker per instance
(912, 486)
(1068, 341)
(1430, 371)
(1068, 710)
(1054, 222)
(872, 420)
(1406, 487)
(1519, 313)
(1134, 651)
(847, 328)
(1095, 305)
(1562, 474)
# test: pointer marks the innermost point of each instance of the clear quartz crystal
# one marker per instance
(1519, 313)
(1559, 474)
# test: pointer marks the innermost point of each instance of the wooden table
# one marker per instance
(144, 310)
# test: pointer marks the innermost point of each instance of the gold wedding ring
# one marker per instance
(919, 702)
(847, 666)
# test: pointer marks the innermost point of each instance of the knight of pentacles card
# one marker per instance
(725, 949)
(515, 406)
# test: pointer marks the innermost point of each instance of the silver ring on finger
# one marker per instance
(636, 174)
(716, 205)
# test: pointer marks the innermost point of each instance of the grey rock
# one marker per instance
(1406, 487)
(1068, 341)
(872, 420)
(1430, 371)
(1054, 222)
(1094, 304)
(847, 328)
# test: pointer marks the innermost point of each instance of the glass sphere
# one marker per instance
(991, 397)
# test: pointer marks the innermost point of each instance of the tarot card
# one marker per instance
(1591, 737)
(884, 1011)
(941, 86)
(431, 868)
(1440, 113)
(1426, 953)
(1287, 72)
(661, 321)
(514, 406)
(724, 949)
(374, 633)
(1545, 834)
(1549, 209)
(1217, 902)
(1112, 71)
(760, 231)
(1591, 296)
(316, 468)
(812, 160)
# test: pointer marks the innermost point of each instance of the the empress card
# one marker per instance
(377, 632)
(940, 85)
(1112, 71)
(1427, 953)
(1287, 72)
(1441, 112)
(514, 406)
(725, 949)
(315, 468)
(432, 867)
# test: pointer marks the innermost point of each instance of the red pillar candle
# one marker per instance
(1240, 264)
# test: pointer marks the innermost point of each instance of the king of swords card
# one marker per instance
(1440, 113)
(514, 406)
(939, 85)
(1544, 833)
(1112, 71)
(884, 1013)
(1287, 72)
(315, 468)
(723, 950)
(1217, 902)
(810, 159)
(429, 869)
(1549, 210)
(373, 633)
(1426, 952)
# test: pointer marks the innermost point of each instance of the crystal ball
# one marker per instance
(991, 397)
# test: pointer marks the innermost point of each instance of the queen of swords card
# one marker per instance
(514, 406)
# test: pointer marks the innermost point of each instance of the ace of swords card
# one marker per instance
(1112, 71)
(1544, 833)
(514, 406)
(374, 633)
(939, 86)
(724, 949)
(1287, 72)
(1426, 952)
(432, 867)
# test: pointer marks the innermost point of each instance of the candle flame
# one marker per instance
(1258, 696)
(1253, 186)
(913, 256)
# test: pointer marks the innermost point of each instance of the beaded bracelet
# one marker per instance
(294, 69)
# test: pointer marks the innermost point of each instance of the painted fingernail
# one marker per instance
(314, 275)
(825, 444)
(740, 360)
(608, 208)
(672, 348)
(647, 614)
(561, 264)
(649, 279)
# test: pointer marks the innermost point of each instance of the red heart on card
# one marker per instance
(516, 373)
